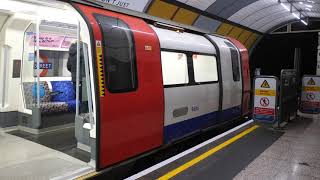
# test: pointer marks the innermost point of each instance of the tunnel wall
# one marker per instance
(276, 52)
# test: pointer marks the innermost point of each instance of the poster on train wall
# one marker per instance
(50, 40)
(265, 99)
(310, 95)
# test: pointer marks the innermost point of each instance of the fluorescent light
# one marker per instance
(295, 15)
(308, 9)
(285, 7)
(308, 5)
(305, 23)
(300, 2)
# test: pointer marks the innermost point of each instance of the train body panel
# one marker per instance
(183, 41)
(231, 78)
(189, 109)
(191, 86)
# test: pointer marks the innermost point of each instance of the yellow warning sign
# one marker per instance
(100, 69)
(265, 84)
(260, 92)
(311, 82)
(311, 88)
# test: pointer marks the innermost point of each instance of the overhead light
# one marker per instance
(305, 23)
(308, 5)
(284, 6)
(310, 1)
(295, 15)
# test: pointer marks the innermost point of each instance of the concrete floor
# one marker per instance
(63, 140)
(295, 155)
(23, 159)
(289, 154)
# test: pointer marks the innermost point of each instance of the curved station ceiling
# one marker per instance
(245, 20)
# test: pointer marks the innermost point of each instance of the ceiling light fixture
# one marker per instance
(305, 23)
(284, 6)
(308, 5)
(292, 8)
(295, 15)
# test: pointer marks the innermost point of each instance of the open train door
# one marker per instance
(129, 85)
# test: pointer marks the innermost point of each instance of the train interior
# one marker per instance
(47, 109)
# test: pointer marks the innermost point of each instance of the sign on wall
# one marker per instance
(137, 5)
(310, 95)
(265, 99)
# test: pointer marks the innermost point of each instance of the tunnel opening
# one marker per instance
(276, 51)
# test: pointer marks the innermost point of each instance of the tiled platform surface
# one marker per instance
(23, 159)
(295, 155)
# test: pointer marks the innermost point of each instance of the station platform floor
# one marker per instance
(248, 151)
(24, 159)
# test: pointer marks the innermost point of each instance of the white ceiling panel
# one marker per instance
(313, 14)
(199, 4)
(251, 9)
(270, 18)
(276, 22)
(260, 14)
(264, 14)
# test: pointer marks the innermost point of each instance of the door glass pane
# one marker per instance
(119, 54)
(174, 68)
(205, 68)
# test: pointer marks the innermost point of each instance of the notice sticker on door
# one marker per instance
(310, 95)
(265, 97)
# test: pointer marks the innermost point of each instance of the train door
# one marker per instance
(130, 85)
(231, 79)
(246, 87)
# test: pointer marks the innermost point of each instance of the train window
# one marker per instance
(205, 68)
(119, 54)
(234, 61)
(174, 68)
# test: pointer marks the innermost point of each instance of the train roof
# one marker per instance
(150, 19)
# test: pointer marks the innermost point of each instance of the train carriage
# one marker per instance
(139, 83)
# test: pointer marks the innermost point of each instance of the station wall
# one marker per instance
(276, 52)
(171, 11)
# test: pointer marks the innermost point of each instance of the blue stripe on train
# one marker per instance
(181, 129)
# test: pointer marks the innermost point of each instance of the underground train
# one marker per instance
(168, 85)
(152, 83)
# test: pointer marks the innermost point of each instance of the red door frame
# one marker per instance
(128, 123)
(246, 83)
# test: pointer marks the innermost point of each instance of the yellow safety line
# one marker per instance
(206, 154)
(86, 176)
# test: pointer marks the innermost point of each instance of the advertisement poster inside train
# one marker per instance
(265, 99)
(310, 95)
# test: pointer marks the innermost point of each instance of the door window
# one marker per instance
(174, 68)
(119, 54)
(205, 68)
